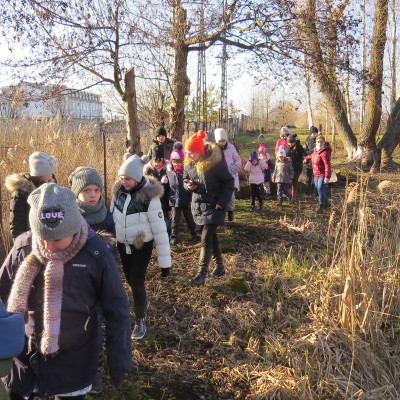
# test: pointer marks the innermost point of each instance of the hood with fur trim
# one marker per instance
(19, 182)
(209, 159)
(151, 188)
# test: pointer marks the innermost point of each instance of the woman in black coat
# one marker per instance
(212, 185)
(296, 153)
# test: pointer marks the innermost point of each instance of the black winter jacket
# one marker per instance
(296, 155)
(20, 186)
(215, 185)
(178, 195)
(91, 278)
(149, 170)
(168, 146)
(309, 146)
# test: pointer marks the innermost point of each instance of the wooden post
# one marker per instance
(103, 133)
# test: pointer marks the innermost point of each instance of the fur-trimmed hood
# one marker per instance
(151, 188)
(207, 162)
(19, 181)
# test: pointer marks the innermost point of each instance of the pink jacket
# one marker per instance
(232, 159)
(256, 174)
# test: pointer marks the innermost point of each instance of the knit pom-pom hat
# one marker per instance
(281, 152)
(177, 153)
(253, 156)
(262, 149)
(292, 138)
(195, 143)
(158, 153)
(133, 167)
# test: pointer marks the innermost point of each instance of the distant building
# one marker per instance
(39, 101)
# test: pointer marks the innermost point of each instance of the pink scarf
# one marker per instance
(53, 285)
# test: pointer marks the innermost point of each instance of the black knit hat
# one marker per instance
(158, 153)
(160, 131)
(313, 129)
(292, 138)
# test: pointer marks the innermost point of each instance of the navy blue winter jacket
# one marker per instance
(91, 278)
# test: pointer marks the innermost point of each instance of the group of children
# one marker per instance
(63, 225)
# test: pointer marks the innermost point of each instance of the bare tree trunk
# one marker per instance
(308, 88)
(367, 139)
(180, 80)
(326, 78)
(363, 66)
(391, 138)
(393, 55)
(132, 124)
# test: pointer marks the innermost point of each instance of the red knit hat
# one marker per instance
(195, 143)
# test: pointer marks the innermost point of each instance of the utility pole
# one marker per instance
(201, 96)
(223, 112)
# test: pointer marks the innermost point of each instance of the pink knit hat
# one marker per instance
(177, 153)
(262, 149)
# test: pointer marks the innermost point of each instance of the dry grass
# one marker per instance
(308, 309)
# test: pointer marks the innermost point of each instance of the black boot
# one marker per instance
(219, 269)
(205, 257)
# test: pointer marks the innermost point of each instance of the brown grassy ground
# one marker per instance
(308, 308)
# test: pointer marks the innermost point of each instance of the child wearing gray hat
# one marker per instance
(87, 185)
(56, 275)
(42, 168)
(139, 221)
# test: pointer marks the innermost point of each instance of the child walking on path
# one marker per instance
(282, 141)
(296, 153)
(86, 184)
(206, 175)
(283, 175)
(157, 168)
(179, 197)
(42, 168)
(263, 155)
(139, 221)
(309, 146)
(232, 161)
(56, 275)
(256, 168)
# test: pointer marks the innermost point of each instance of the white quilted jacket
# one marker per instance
(139, 227)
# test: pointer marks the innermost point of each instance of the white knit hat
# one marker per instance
(220, 134)
(133, 167)
(281, 151)
(41, 164)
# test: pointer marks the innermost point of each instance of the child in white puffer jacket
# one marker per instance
(139, 221)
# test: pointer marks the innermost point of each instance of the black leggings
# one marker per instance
(209, 238)
(255, 190)
(135, 268)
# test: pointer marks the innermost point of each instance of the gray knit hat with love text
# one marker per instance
(82, 177)
(54, 213)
